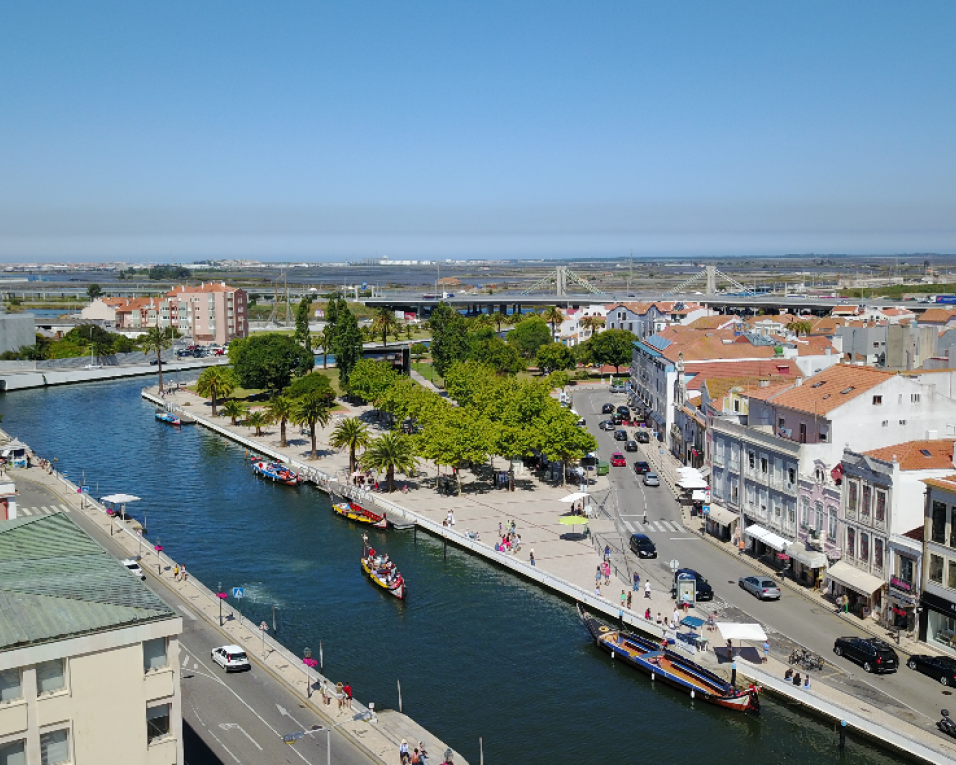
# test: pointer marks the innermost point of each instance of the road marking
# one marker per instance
(65, 508)
(219, 741)
(678, 539)
(45, 509)
(186, 611)
(285, 713)
(629, 527)
(237, 726)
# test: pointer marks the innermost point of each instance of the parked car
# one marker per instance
(642, 546)
(607, 425)
(154, 362)
(617, 460)
(941, 668)
(231, 658)
(607, 409)
(641, 467)
(620, 435)
(702, 587)
(134, 568)
(761, 587)
(603, 468)
(630, 446)
(618, 389)
(624, 411)
(643, 437)
(873, 654)
(651, 479)
(617, 419)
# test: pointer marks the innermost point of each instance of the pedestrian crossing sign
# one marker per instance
(237, 592)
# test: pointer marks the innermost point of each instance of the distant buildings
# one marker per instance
(16, 330)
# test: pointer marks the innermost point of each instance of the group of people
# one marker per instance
(418, 755)
(509, 538)
(795, 678)
(383, 568)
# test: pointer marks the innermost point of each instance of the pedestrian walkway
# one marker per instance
(45, 510)
(658, 526)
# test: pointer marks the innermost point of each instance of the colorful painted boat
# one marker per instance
(669, 667)
(276, 472)
(169, 418)
(383, 573)
(355, 512)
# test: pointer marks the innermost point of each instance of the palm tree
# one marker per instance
(309, 409)
(158, 340)
(324, 338)
(388, 453)
(234, 410)
(499, 318)
(257, 419)
(354, 434)
(216, 383)
(101, 349)
(385, 324)
(280, 410)
(552, 315)
(482, 320)
(592, 323)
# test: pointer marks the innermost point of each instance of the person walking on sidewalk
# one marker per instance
(176, 573)
(597, 577)
(623, 599)
(607, 573)
(629, 601)
(532, 556)
(647, 588)
(637, 581)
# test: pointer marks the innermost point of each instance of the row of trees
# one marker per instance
(79, 341)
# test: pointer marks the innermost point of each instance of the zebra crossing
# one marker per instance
(41, 510)
(659, 526)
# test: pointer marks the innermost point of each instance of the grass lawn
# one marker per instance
(426, 370)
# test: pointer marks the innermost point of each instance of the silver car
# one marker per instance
(762, 587)
(651, 479)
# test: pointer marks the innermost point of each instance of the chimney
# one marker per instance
(798, 381)
(931, 435)
(763, 382)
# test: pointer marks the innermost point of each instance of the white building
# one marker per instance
(646, 319)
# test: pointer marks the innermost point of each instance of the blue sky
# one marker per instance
(328, 131)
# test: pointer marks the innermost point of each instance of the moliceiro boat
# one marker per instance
(169, 418)
(669, 667)
(275, 471)
(383, 572)
(355, 512)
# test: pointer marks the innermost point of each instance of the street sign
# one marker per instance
(237, 592)
(706, 509)
(674, 564)
(264, 627)
(85, 489)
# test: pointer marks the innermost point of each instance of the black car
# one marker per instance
(154, 362)
(873, 654)
(607, 425)
(641, 467)
(941, 668)
(624, 411)
(643, 437)
(701, 586)
(607, 409)
(642, 545)
(620, 435)
(630, 446)
(617, 419)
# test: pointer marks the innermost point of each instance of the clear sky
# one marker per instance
(329, 131)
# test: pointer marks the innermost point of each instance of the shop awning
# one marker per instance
(700, 496)
(689, 484)
(722, 515)
(809, 558)
(704, 471)
(766, 536)
(859, 581)
(734, 631)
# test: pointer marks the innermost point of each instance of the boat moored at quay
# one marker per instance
(355, 512)
(276, 472)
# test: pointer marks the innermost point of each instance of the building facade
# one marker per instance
(937, 624)
(210, 313)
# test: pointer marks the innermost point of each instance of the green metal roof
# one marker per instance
(56, 583)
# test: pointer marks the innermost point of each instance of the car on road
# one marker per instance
(617, 419)
(941, 668)
(618, 389)
(762, 587)
(134, 568)
(630, 446)
(624, 411)
(642, 546)
(651, 479)
(607, 409)
(617, 460)
(873, 654)
(607, 425)
(620, 435)
(701, 586)
(154, 362)
(231, 658)
(643, 437)
(641, 467)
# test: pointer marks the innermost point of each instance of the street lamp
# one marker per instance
(159, 561)
(222, 596)
(309, 663)
(291, 738)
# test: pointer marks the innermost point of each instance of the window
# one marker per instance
(886, 423)
(55, 747)
(157, 722)
(13, 753)
(824, 434)
(865, 503)
(781, 422)
(750, 458)
(864, 547)
(938, 531)
(154, 654)
(877, 400)
(936, 569)
(791, 475)
(818, 521)
(914, 398)
(804, 511)
(951, 578)
(878, 553)
(11, 687)
(952, 526)
(880, 514)
(851, 498)
(902, 422)
(907, 568)
(851, 543)
(763, 464)
(50, 677)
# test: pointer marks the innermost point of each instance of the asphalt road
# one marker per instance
(792, 619)
(235, 719)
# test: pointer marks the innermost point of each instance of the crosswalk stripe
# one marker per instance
(64, 508)
(24, 511)
(45, 509)
(629, 526)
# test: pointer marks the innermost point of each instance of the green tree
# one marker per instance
(347, 342)
(560, 437)
(592, 323)
(800, 327)
(302, 313)
(234, 410)
(554, 316)
(102, 349)
(554, 356)
(123, 344)
(370, 379)
(94, 291)
(314, 382)
(449, 337)
(498, 318)
(418, 350)
(388, 453)
(216, 383)
(311, 409)
(258, 418)
(457, 438)
(352, 433)
(280, 411)
(157, 340)
(529, 335)
(269, 361)
(558, 379)
(385, 324)
(495, 352)
(613, 346)
(324, 338)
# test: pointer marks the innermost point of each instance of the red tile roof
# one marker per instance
(827, 390)
(918, 455)
(937, 316)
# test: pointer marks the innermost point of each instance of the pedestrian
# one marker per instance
(637, 581)
(607, 552)
(623, 599)
(806, 682)
(730, 649)
(659, 619)
(797, 681)
(607, 573)
(347, 690)
(597, 577)
(645, 518)
(766, 651)
(676, 618)
(532, 556)
(597, 591)
(647, 588)
(403, 751)
(183, 573)
(176, 573)
(647, 614)
(629, 601)
(416, 760)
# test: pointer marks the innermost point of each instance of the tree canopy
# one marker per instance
(449, 337)
(612, 346)
(554, 356)
(302, 312)
(529, 335)
(269, 361)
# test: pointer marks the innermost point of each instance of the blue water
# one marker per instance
(479, 653)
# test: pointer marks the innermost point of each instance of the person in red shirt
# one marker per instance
(347, 690)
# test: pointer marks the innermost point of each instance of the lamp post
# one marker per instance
(222, 596)
(309, 663)
(159, 561)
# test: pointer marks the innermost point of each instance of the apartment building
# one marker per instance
(646, 319)
(210, 313)
(89, 656)
(937, 619)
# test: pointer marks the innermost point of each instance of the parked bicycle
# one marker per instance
(806, 659)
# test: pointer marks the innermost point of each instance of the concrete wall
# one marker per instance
(16, 330)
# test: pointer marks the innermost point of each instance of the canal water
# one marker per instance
(478, 652)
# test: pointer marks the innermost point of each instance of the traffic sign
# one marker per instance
(706, 509)
(674, 564)
(264, 627)
(237, 592)
(85, 489)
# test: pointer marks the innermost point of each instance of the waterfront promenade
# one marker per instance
(564, 562)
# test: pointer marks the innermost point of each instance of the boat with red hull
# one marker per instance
(275, 471)
(355, 512)
(383, 573)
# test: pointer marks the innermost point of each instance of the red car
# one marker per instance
(617, 459)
